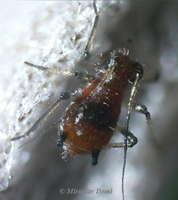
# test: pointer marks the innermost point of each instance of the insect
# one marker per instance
(91, 119)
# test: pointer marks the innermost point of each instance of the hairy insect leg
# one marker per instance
(131, 139)
(52, 69)
(93, 32)
(55, 70)
(44, 117)
(143, 109)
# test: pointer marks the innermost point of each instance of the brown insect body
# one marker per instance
(93, 116)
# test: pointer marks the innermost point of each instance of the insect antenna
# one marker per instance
(130, 108)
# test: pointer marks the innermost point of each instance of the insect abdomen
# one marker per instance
(92, 124)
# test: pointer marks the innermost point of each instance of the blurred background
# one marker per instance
(48, 33)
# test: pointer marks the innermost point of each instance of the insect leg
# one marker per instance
(131, 139)
(52, 69)
(93, 32)
(56, 70)
(44, 117)
(143, 109)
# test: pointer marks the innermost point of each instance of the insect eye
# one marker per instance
(138, 72)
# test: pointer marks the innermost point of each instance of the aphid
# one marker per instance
(91, 119)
